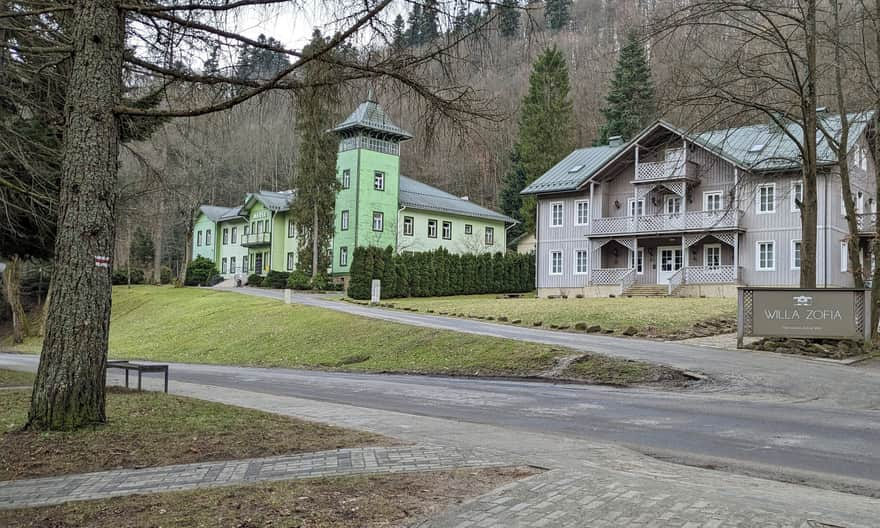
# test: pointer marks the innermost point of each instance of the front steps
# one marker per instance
(647, 290)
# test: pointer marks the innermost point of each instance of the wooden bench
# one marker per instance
(140, 368)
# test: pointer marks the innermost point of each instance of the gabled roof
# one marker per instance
(217, 213)
(273, 201)
(737, 145)
(573, 170)
(370, 116)
(418, 195)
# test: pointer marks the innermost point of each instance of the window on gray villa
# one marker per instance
(765, 255)
(795, 255)
(583, 213)
(766, 198)
(556, 214)
(556, 263)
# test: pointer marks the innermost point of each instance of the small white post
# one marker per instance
(287, 296)
(375, 291)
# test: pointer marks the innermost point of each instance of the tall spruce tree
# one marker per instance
(414, 23)
(511, 200)
(630, 103)
(546, 134)
(398, 32)
(557, 13)
(315, 184)
(508, 18)
(430, 24)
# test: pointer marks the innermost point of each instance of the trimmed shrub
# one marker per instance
(321, 282)
(255, 280)
(438, 272)
(120, 276)
(165, 275)
(298, 280)
(200, 271)
(275, 279)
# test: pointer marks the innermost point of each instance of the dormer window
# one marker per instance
(757, 147)
(576, 168)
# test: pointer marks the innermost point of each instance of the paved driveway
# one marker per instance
(732, 371)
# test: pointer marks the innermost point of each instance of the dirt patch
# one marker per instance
(704, 328)
(594, 368)
(355, 502)
(820, 348)
(154, 429)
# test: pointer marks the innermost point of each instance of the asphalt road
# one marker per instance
(801, 442)
(740, 372)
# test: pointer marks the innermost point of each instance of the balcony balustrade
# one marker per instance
(256, 239)
(658, 223)
(666, 170)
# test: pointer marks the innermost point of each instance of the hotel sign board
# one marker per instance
(830, 313)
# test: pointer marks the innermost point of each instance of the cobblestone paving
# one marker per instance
(55, 490)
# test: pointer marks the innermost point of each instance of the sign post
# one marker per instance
(375, 291)
(807, 313)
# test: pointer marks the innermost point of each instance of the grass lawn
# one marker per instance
(200, 325)
(15, 378)
(665, 315)
(156, 429)
(350, 502)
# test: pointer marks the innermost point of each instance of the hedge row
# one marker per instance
(438, 272)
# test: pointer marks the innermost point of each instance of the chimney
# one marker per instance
(615, 141)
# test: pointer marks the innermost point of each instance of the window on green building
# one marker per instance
(447, 230)
(346, 179)
(379, 180)
(231, 264)
(208, 237)
(432, 229)
(223, 265)
(291, 229)
(199, 239)
(468, 229)
(244, 264)
(378, 221)
(408, 225)
(344, 220)
(490, 236)
(234, 234)
(225, 236)
(343, 256)
(290, 261)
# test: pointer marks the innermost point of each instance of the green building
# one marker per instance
(375, 206)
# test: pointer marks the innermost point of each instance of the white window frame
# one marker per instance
(344, 220)
(640, 261)
(234, 234)
(245, 261)
(225, 236)
(553, 206)
(224, 266)
(199, 239)
(758, 255)
(552, 262)
(378, 180)
(577, 210)
(346, 178)
(432, 223)
(632, 208)
(706, 248)
(792, 263)
(793, 195)
(577, 254)
(290, 260)
(380, 216)
(208, 240)
(671, 199)
(343, 256)
(231, 264)
(758, 198)
(443, 227)
(708, 194)
(844, 257)
(291, 229)
(409, 221)
(489, 236)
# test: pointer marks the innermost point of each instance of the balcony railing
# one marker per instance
(697, 220)
(666, 170)
(256, 239)
(867, 222)
(705, 275)
(610, 276)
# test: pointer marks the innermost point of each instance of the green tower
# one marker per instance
(368, 168)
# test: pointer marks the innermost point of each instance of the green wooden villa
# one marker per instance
(375, 206)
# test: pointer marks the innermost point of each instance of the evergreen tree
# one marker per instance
(557, 13)
(141, 248)
(399, 33)
(462, 18)
(511, 200)
(545, 123)
(630, 103)
(508, 19)
(414, 23)
(260, 63)
(315, 184)
(430, 25)
(212, 63)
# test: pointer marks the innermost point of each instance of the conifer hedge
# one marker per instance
(438, 272)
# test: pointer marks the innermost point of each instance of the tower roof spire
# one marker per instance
(369, 116)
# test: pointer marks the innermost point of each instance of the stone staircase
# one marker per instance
(647, 290)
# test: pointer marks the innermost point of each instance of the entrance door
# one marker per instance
(670, 261)
(258, 263)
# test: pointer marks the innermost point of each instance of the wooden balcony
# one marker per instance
(666, 170)
(665, 223)
(256, 239)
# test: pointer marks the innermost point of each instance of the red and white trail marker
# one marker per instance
(102, 262)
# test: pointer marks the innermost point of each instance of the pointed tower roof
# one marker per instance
(369, 116)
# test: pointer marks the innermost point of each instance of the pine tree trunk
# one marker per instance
(69, 389)
(12, 290)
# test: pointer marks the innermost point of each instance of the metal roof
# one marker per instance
(274, 201)
(738, 145)
(217, 213)
(562, 177)
(418, 195)
(370, 116)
